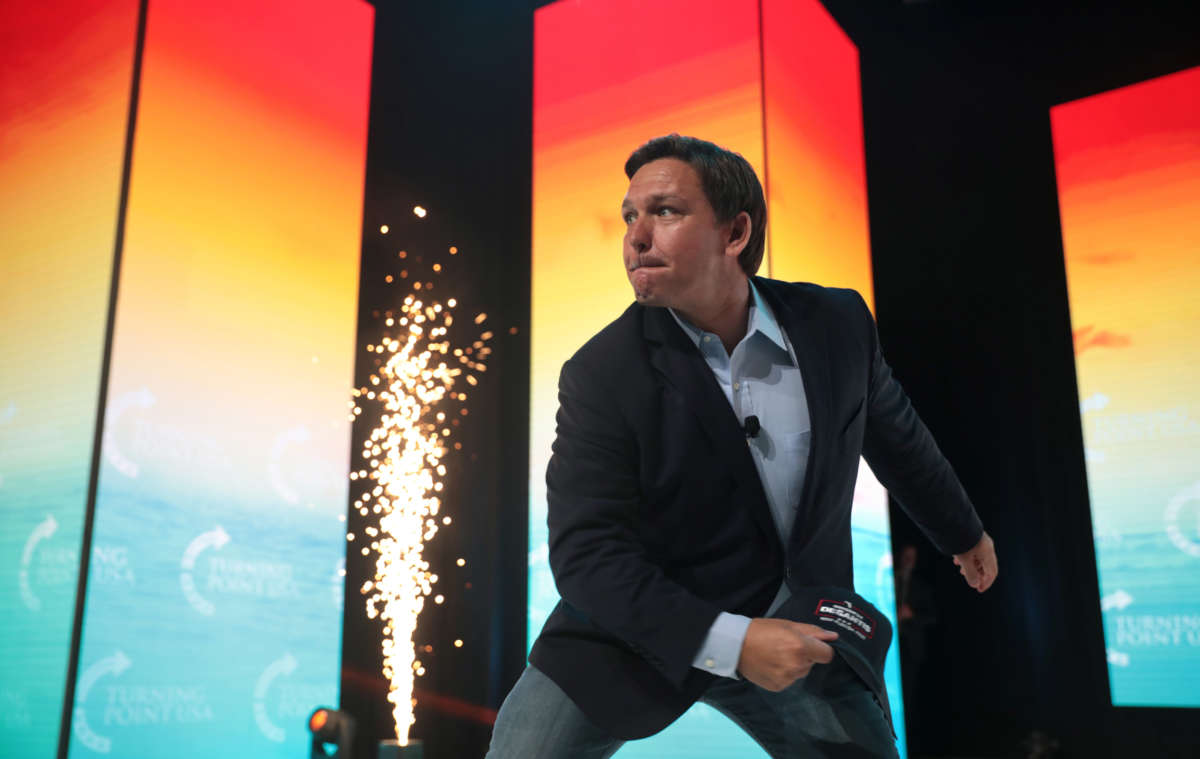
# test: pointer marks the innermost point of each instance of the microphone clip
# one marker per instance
(751, 426)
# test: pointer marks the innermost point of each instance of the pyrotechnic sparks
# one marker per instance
(404, 471)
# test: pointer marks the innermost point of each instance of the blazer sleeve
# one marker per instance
(601, 568)
(903, 455)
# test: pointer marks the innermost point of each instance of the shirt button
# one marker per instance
(710, 663)
(707, 338)
(736, 385)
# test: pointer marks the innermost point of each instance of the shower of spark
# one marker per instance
(404, 470)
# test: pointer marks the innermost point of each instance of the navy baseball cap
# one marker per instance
(864, 633)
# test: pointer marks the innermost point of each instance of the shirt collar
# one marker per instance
(761, 320)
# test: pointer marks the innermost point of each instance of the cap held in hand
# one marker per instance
(864, 633)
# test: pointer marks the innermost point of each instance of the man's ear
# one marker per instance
(739, 234)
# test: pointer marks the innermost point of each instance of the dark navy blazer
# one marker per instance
(658, 520)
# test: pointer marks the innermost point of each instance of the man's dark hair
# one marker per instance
(729, 183)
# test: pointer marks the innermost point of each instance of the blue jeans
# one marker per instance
(829, 715)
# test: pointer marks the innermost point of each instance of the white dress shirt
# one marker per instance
(760, 379)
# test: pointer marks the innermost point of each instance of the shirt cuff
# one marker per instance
(722, 647)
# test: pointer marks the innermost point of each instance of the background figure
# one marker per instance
(916, 615)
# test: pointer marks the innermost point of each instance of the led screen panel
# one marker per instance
(226, 444)
(603, 86)
(1128, 168)
(65, 74)
(817, 223)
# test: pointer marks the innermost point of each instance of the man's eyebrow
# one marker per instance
(654, 199)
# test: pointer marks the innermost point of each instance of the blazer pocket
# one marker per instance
(853, 417)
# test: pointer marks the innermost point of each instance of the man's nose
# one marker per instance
(639, 235)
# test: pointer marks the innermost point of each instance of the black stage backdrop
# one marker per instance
(972, 309)
(971, 298)
(450, 130)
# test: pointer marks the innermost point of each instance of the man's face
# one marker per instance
(675, 252)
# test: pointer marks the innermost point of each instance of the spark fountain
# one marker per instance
(414, 393)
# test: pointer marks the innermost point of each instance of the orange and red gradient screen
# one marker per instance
(1128, 166)
(65, 73)
(775, 81)
(213, 607)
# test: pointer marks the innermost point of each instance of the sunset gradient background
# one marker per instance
(65, 73)
(213, 614)
(233, 352)
(1128, 169)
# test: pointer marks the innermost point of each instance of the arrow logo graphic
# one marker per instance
(110, 665)
(339, 583)
(215, 538)
(1094, 402)
(45, 529)
(137, 399)
(1118, 599)
(1172, 518)
(298, 434)
(284, 665)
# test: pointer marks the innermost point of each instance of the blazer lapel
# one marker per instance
(677, 359)
(810, 340)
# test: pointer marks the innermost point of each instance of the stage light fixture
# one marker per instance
(330, 727)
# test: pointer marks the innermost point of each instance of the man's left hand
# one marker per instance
(978, 565)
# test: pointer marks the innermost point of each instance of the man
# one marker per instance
(707, 447)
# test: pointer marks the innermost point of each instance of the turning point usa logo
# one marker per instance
(48, 565)
(219, 574)
(104, 705)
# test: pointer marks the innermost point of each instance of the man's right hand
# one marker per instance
(778, 652)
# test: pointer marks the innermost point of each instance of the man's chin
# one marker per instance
(645, 289)
(647, 298)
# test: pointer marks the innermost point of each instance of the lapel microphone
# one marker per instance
(751, 426)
